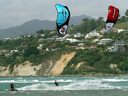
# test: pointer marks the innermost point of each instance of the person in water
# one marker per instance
(56, 83)
(12, 87)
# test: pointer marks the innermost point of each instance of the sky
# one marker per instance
(16, 12)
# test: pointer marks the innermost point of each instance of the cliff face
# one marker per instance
(59, 66)
(4, 71)
(48, 68)
(25, 69)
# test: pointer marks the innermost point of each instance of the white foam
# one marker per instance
(82, 85)
(69, 84)
(33, 81)
(7, 81)
(115, 80)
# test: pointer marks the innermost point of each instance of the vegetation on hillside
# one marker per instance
(46, 45)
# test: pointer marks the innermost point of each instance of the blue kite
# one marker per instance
(63, 17)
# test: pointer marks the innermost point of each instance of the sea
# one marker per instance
(68, 86)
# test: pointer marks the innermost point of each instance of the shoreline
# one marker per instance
(85, 75)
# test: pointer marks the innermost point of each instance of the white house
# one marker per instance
(14, 51)
(116, 48)
(120, 30)
(40, 40)
(47, 49)
(120, 43)
(104, 41)
(72, 40)
(112, 49)
(81, 44)
(93, 34)
(78, 35)
(40, 47)
(7, 39)
(60, 39)
(95, 40)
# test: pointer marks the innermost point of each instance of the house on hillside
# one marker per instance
(93, 34)
(116, 49)
(40, 40)
(120, 43)
(118, 46)
(14, 51)
(67, 36)
(3, 51)
(60, 39)
(95, 40)
(71, 40)
(81, 44)
(5, 39)
(120, 30)
(105, 41)
(40, 46)
(78, 35)
(42, 35)
(16, 38)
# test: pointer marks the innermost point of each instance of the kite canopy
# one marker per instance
(63, 16)
(112, 17)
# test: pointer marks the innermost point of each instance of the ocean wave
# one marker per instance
(82, 85)
(69, 83)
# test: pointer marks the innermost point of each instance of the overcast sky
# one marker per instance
(16, 12)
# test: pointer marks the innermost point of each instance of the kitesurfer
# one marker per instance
(56, 83)
(12, 87)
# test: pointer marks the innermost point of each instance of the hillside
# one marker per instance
(29, 69)
(122, 25)
(84, 50)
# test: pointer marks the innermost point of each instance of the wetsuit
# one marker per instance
(12, 87)
(56, 83)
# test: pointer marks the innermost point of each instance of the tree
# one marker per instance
(31, 51)
(126, 13)
(87, 25)
(40, 31)
(100, 23)
(122, 19)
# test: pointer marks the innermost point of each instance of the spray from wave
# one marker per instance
(67, 83)
(75, 85)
